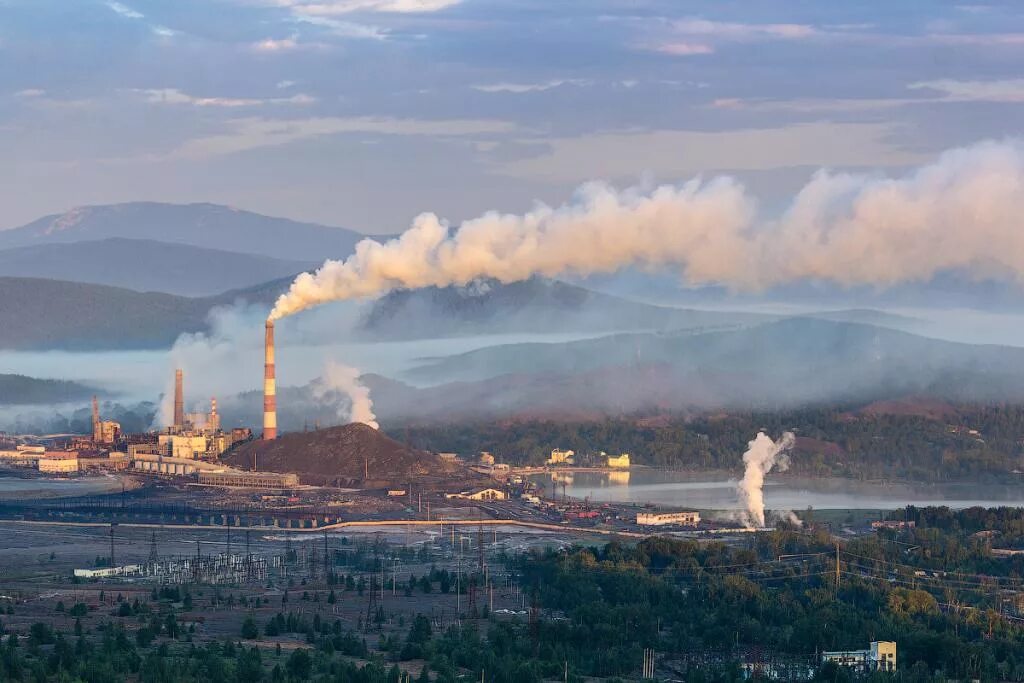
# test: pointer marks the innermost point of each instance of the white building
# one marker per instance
(58, 463)
(480, 494)
(184, 446)
(560, 457)
(880, 656)
(668, 518)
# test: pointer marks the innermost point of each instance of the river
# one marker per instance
(689, 490)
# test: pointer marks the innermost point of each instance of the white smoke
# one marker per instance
(344, 380)
(761, 457)
(961, 212)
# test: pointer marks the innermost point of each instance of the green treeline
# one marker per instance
(836, 441)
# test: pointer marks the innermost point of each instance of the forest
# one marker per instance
(975, 443)
(706, 609)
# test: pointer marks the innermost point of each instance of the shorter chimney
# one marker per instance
(179, 401)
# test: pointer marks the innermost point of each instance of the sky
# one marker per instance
(364, 113)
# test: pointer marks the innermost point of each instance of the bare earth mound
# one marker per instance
(349, 455)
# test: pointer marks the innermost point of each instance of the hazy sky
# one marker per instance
(363, 113)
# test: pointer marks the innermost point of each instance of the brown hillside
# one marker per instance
(352, 454)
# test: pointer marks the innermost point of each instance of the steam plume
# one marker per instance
(762, 455)
(961, 212)
(342, 379)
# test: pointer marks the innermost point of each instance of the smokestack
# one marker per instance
(179, 401)
(96, 433)
(269, 386)
(213, 423)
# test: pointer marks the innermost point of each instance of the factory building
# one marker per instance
(151, 463)
(186, 446)
(103, 431)
(249, 480)
(880, 656)
(560, 457)
(480, 494)
(58, 462)
(668, 518)
(618, 461)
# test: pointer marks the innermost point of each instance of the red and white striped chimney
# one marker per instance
(269, 386)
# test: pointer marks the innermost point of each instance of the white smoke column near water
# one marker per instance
(761, 457)
(343, 379)
(960, 213)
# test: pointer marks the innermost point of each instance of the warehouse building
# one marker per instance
(688, 518)
(880, 656)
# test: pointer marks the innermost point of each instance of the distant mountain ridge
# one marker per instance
(146, 265)
(209, 226)
(795, 361)
(38, 314)
(22, 390)
(534, 305)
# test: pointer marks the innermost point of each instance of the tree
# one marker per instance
(299, 665)
(249, 629)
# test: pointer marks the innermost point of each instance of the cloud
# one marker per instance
(255, 133)
(125, 11)
(1011, 90)
(28, 93)
(276, 45)
(741, 31)
(974, 39)
(626, 154)
(284, 85)
(530, 87)
(335, 7)
(678, 49)
(344, 29)
(695, 36)
(175, 96)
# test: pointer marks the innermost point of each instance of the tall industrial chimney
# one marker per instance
(179, 402)
(269, 386)
(97, 433)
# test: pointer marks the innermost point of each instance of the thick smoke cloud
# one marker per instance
(761, 457)
(960, 213)
(344, 380)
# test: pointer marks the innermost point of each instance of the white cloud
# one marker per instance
(335, 7)
(30, 93)
(530, 87)
(678, 49)
(681, 153)
(254, 133)
(740, 31)
(344, 29)
(125, 11)
(1011, 90)
(284, 85)
(174, 96)
(276, 45)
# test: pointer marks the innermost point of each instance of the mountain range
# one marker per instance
(794, 361)
(147, 265)
(38, 314)
(208, 226)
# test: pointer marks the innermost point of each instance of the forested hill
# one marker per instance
(22, 390)
(937, 442)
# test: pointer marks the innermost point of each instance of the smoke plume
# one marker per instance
(762, 455)
(959, 213)
(344, 380)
